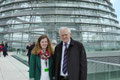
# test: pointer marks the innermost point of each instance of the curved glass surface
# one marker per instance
(93, 22)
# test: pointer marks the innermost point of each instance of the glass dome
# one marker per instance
(92, 22)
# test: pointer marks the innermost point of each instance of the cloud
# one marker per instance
(112, 1)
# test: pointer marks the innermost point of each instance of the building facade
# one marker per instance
(93, 22)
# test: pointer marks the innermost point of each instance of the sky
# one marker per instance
(116, 6)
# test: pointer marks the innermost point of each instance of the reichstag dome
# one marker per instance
(93, 22)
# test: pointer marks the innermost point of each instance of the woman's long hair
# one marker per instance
(37, 47)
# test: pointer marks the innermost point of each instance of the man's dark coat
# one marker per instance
(77, 62)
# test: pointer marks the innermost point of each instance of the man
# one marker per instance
(29, 47)
(54, 43)
(70, 58)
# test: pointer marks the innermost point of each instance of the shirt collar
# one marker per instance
(67, 42)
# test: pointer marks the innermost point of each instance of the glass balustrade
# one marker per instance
(98, 70)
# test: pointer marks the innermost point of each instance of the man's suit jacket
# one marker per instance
(77, 62)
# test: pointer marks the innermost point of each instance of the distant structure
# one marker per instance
(93, 22)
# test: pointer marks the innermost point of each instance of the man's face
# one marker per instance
(65, 35)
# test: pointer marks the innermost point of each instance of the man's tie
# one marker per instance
(65, 60)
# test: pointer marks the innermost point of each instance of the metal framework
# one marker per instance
(93, 22)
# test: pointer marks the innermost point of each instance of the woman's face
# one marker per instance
(44, 43)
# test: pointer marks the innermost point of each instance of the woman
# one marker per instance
(1, 47)
(41, 60)
(4, 50)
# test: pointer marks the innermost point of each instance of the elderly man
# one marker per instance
(54, 43)
(70, 58)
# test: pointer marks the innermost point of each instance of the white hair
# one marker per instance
(61, 28)
(54, 41)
